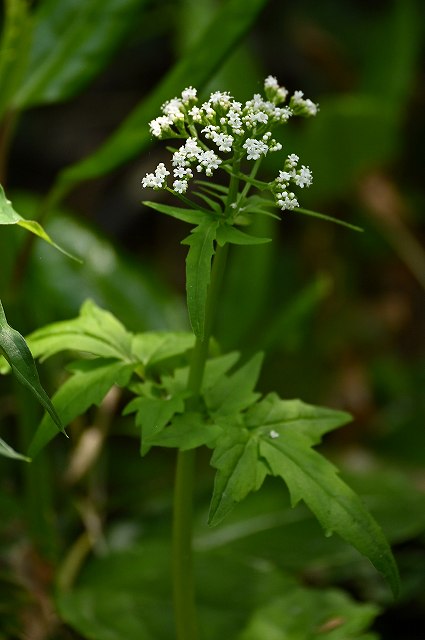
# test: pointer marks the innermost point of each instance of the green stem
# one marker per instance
(183, 583)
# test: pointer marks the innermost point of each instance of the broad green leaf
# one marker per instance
(9, 216)
(235, 392)
(8, 452)
(187, 431)
(232, 235)
(14, 348)
(72, 42)
(152, 415)
(88, 386)
(95, 331)
(194, 216)
(323, 614)
(198, 273)
(230, 24)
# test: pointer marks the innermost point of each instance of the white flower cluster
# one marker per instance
(223, 125)
(300, 177)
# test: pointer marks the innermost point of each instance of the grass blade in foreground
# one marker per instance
(16, 351)
(8, 215)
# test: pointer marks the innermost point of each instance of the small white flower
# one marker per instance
(273, 434)
(271, 83)
(160, 125)
(209, 161)
(304, 177)
(189, 94)
(180, 186)
(255, 148)
(287, 200)
(291, 161)
(196, 114)
(182, 172)
(284, 176)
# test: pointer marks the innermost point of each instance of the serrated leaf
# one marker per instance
(235, 392)
(18, 355)
(213, 46)
(232, 235)
(193, 216)
(95, 331)
(88, 386)
(239, 469)
(188, 431)
(198, 273)
(7, 451)
(276, 437)
(152, 415)
(310, 477)
(152, 347)
(67, 52)
(9, 216)
(277, 415)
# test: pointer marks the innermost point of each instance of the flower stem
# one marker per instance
(183, 583)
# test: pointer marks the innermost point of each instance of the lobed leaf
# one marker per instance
(187, 431)
(16, 351)
(86, 387)
(152, 415)
(276, 437)
(310, 477)
(235, 392)
(95, 331)
(198, 272)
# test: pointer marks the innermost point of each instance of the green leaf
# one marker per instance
(152, 347)
(310, 477)
(152, 415)
(9, 216)
(239, 469)
(8, 452)
(95, 331)
(16, 351)
(198, 273)
(325, 614)
(275, 437)
(323, 216)
(230, 24)
(312, 421)
(88, 386)
(232, 235)
(194, 216)
(188, 431)
(72, 43)
(235, 392)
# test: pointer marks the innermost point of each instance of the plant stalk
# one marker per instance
(182, 557)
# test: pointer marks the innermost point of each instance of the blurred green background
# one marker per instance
(339, 314)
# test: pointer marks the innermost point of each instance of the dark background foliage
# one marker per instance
(339, 314)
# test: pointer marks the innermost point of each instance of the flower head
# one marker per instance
(221, 130)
